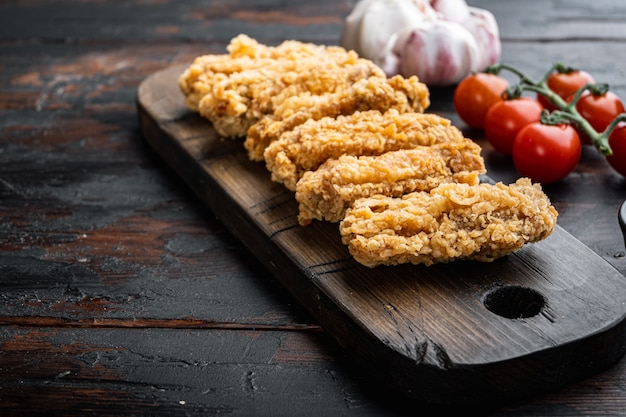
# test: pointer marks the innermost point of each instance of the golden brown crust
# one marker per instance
(367, 133)
(373, 93)
(236, 90)
(454, 221)
(326, 193)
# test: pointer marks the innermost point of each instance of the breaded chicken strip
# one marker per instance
(236, 90)
(245, 53)
(366, 133)
(454, 221)
(326, 193)
(373, 93)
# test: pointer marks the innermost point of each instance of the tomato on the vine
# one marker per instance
(617, 142)
(565, 85)
(475, 94)
(599, 110)
(546, 153)
(506, 118)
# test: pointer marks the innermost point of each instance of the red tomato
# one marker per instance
(506, 118)
(617, 142)
(546, 153)
(475, 94)
(599, 111)
(565, 84)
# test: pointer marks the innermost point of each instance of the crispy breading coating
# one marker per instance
(236, 90)
(366, 133)
(245, 53)
(453, 221)
(372, 93)
(326, 193)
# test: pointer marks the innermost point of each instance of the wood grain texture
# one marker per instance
(113, 372)
(108, 261)
(425, 329)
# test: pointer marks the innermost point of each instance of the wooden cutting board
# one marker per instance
(457, 333)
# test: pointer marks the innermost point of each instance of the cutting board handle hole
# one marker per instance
(514, 301)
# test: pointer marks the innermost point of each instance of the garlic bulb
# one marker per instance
(440, 41)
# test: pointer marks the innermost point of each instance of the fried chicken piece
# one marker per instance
(236, 90)
(245, 53)
(373, 93)
(326, 193)
(454, 221)
(366, 133)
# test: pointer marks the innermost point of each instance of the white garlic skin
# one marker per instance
(439, 52)
(451, 10)
(482, 24)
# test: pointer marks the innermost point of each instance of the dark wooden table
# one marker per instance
(122, 294)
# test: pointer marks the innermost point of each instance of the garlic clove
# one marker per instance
(483, 26)
(372, 27)
(438, 52)
(350, 34)
(451, 10)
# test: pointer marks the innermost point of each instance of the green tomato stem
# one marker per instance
(567, 111)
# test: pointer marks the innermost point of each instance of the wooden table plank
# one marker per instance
(115, 372)
(118, 372)
(218, 22)
(556, 21)
(75, 21)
